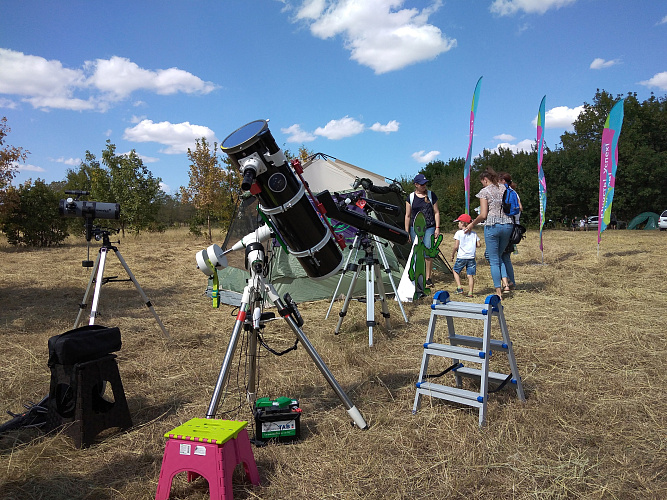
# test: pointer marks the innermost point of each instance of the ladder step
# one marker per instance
(476, 372)
(476, 342)
(453, 351)
(461, 396)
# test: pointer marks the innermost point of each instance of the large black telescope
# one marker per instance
(282, 196)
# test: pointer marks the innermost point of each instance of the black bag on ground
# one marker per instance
(83, 344)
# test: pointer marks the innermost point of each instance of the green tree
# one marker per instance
(9, 156)
(133, 186)
(446, 180)
(35, 221)
(642, 155)
(212, 190)
(91, 177)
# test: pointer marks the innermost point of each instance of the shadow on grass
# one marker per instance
(102, 482)
(57, 300)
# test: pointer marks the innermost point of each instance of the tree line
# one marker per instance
(572, 169)
(29, 213)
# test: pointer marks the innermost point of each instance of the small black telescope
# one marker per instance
(73, 207)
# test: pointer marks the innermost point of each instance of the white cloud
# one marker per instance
(391, 126)
(376, 32)
(510, 7)
(504, 137)
(8, 103)
(144, 159)
(658, 80)
(423, 157)
(178, 137)
(48, 85)
(560, 117)
(119, 77)
(599, 63)
(165, 187)
(74, 162)
(525, 145)
(339, 129)
(663, 20)
(295, 134)
(27, 167)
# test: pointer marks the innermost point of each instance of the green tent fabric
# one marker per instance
(650, 218)
(287, 275)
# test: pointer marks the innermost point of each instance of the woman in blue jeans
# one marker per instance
(497, 228)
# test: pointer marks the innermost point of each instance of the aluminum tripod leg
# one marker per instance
(370, 305)
(229, 354)
(345, 269)
(352, 410)
(387, 270)
(223, 376)
(141, 292)
(84, 302)
(346, 304)
(98, 285)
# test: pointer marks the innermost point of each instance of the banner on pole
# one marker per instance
(540, 171)
(608, 164)
(466, 168)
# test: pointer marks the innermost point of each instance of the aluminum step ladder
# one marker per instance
(468, 349)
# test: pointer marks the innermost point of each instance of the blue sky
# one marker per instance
(384, 84)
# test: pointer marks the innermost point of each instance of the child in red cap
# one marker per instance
(466, 245)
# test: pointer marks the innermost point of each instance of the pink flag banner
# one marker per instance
(608, 165)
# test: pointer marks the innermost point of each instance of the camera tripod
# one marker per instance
(251, 319)
(373, 278)
(97, 277)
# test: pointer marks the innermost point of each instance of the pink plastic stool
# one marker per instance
(209, 448)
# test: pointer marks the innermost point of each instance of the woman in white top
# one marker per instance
(497, 228)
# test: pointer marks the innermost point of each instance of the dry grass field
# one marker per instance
(588, 331)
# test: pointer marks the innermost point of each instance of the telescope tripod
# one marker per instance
(373, 278)
(250, 318)
(97, 277)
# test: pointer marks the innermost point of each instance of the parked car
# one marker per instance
(662, 221)
(593, 222)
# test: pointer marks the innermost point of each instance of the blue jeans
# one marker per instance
(496, 238)
(430, 231)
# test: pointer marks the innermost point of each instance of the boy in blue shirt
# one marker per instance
(466, 245)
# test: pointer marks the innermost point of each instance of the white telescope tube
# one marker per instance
(262, 234)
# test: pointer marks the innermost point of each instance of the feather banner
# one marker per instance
(466, 168)
(608, 165)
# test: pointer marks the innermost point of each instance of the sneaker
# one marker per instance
(459, 290)
(429, 282)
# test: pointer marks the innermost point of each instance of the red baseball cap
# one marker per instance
(464, 218)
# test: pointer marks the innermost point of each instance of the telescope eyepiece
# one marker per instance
(249, 175)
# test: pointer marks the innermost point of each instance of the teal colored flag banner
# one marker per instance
(540, 171)
(466, 168)
(608, 165)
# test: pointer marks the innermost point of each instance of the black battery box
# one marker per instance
(277, 419)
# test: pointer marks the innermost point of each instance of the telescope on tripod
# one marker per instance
(302, 228)
(90, 210)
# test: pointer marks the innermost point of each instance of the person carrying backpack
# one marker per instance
(497, 227)
(424, 201)
(512, 207)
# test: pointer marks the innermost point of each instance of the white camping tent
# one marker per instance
(321, 172)
(325, 172)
